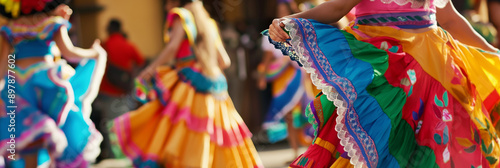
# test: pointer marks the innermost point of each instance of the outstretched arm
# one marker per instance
(68, 50)
(450, 20)
(223, 57)
(327, 13)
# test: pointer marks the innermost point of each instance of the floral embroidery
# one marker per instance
(445, 138)
(446, 155)
(445, 114)
(384, 45)
(413, 79)
(419, 126)
(318, 65)
(416, 116)
(469, 146)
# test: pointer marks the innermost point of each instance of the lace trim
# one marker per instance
(417, 4)
(299, 53)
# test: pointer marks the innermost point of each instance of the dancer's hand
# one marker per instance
(276, 31)
(147, 73)
(64, 11)
(98, 48)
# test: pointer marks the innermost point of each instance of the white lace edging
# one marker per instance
(346, 140)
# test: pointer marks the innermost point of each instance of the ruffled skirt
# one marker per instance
(397, 99)
(291, 91)
(188, 121)
(50, 113)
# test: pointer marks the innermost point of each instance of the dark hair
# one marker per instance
(114, 26)
(49, 6)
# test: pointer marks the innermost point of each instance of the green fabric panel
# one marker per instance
(402, 143)
(328, 108)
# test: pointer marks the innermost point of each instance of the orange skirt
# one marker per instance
(188, 125)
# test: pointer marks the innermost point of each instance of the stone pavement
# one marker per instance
(272, 155)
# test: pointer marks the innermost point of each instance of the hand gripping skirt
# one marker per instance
(397, 99)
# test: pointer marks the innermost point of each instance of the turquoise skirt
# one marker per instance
(52, 106)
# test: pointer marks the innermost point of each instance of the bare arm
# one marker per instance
(327, 13)
(177, 35)
(3, 59)
(450, 20)
(4, 54)
(223, 57)
(68, 50)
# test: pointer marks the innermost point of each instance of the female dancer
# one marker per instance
(48, 100)
(291, 89)
(398, 91)
(189, 119)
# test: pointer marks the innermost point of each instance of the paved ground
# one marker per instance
(273, 156)
(277, 156)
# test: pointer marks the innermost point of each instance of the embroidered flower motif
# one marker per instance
(445, 114)
(446, 155)
(413, 77)
(412, 80)
(419, 126)
(417, 115)
(444, 139)
(384, 45)
(469, 147)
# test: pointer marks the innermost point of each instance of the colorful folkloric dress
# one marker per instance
(392, 98)
(52, 102)
(291, 91)
(188, 119)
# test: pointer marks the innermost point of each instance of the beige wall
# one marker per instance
(142, 21)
